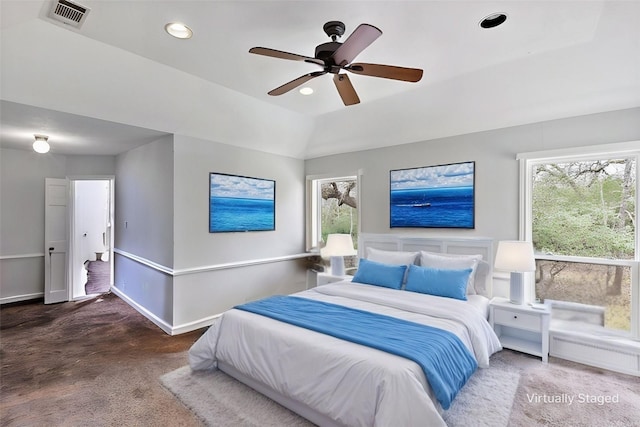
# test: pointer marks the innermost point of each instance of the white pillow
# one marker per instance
(482, 277)
(453, 262)
(391, 257)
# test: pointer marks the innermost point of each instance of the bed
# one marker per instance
(333, 380)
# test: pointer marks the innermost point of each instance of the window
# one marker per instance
(332, 207)
(580, 213)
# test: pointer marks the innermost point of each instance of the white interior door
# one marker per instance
(56, 240)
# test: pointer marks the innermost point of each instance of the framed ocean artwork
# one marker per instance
(440, 196)
(241, 203)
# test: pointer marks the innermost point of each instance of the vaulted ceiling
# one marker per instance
(120, 80)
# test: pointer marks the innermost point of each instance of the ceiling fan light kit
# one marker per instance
(336, 56)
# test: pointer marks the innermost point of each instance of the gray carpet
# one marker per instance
(219, 400)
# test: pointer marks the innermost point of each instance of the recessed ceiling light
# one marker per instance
(306, 90)
(493, 20)
(178, 30)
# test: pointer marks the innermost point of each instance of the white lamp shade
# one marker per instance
(338, 245)
(515, 256)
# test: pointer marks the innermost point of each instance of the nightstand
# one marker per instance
(521, 327)
(326, 278)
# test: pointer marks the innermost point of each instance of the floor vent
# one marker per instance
(68, 13)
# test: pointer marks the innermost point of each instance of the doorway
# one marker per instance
(91, 237)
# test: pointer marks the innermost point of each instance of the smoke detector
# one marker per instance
(68, 12)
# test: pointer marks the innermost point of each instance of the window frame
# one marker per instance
(617, 150)
(313, 207)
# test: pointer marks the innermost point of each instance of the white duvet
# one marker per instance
(350, 383)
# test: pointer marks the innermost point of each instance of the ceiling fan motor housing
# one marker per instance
(335, 30)
(325, 50)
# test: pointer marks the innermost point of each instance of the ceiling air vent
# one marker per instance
(68, 13)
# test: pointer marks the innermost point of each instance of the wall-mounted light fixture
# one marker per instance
(41, 145)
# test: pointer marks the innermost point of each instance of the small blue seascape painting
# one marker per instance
(434, 196)
(240, 203)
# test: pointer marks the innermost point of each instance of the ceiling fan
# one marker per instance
(335, 56)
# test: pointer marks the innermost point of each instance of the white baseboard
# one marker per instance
(192, 326)
(169, 329)
(25, 297)
(146, 313)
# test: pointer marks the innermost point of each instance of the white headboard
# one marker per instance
(451, 245)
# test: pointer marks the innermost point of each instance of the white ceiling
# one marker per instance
(122, 73)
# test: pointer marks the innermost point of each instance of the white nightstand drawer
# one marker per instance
(517, 320)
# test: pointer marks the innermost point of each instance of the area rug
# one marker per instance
(219, 400)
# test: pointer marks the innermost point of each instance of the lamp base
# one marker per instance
(337, 266)
(516, 293)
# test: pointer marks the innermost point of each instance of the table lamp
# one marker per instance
(337, 247)
(515, 256)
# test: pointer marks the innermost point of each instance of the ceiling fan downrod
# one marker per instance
(335, 30)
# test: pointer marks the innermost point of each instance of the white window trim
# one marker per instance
(528, 160)
(312, 209)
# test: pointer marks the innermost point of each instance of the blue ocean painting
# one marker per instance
(238, 203)
(435, 197)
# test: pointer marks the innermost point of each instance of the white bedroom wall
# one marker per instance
(22, 176)
(496, 167)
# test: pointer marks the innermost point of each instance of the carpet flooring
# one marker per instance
(220, 401)
(98, 362)
(89, 363)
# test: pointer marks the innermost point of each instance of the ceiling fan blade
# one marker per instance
(295, 83)
(345, 89)
(285, 55)
(361, 37)
(387, 71)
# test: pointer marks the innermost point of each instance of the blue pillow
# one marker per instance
(439, 282)
(380, 274)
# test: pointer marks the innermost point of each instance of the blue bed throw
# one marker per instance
(446, 362)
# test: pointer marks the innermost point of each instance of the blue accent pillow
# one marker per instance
(439, 282)
(380, 274)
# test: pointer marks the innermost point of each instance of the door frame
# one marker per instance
(72, 179)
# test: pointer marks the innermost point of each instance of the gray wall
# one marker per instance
(496, 167)
(162, 193)
(22, 176)
(144, 228)
(144, 202)
(194, 245)
(222, 267)
(168, 264)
